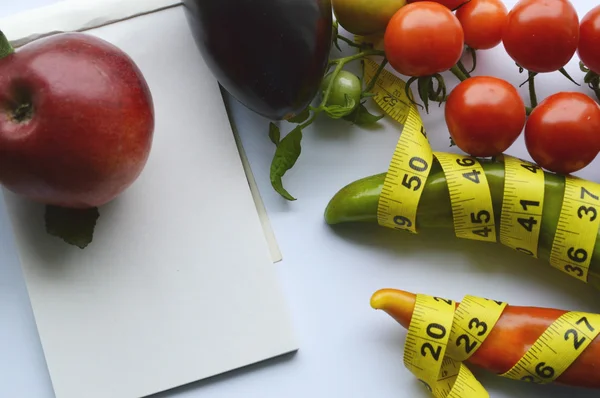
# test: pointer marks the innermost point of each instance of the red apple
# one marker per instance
(76, 120)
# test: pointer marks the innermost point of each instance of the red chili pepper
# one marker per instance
(517, 329)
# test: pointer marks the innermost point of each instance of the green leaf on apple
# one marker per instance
(286, 154)
(274, 133)
(74, 226)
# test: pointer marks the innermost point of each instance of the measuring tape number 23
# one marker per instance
(440, 337)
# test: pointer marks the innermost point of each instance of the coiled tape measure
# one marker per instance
(440, 336)
(470, 197)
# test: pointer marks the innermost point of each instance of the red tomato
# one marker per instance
(562, 133)
(450, 4)
(541, 35)
(423, 39)
(589, 37)
(482, 22)
(485, 115)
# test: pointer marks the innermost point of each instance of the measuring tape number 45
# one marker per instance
(470, 197)
(441, 336)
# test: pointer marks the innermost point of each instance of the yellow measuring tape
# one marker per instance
(473, 213)
(522, 205)
(577, 228)
(440, 337)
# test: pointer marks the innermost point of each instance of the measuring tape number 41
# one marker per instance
(442, 336)
(472, 208)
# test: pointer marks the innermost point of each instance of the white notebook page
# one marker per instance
(178, 284)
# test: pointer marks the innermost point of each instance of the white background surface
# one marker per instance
(328, 274)
(142, 307)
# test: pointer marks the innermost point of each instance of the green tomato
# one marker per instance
(365, 17)
(345, 84)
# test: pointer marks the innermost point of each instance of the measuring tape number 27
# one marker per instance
(440, 337)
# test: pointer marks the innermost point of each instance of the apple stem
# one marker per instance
(5, 47)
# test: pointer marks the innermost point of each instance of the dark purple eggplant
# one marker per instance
(270, 55)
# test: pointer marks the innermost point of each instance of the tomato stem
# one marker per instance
(354, 57)
(424, 85)
(376, 75)
(595, 86)
(409, 93)
(309, 121)
(473, 54)
(351, 43)
(463, 69)
(438, 95)
(339, 65)
(532, 94)
(591, 79)
(564, 72)
(458, 73)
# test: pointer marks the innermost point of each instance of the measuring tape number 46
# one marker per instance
(441, 336)
(472, 208)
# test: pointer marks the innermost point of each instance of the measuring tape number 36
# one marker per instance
(520, 217)
(441, 336)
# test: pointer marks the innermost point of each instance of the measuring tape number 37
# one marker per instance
(470, 197)
(440, 335)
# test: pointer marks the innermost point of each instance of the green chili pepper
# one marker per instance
(358, 201)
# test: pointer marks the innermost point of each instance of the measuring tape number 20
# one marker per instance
(442, 336)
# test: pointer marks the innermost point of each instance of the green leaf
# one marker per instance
(274, 133)
(74, 226)
(338, 111)
(362, 117)
(301, 117)
(286, 154)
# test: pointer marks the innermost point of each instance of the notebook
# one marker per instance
(178, 284)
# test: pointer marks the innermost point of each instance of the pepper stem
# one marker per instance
(5, 47)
